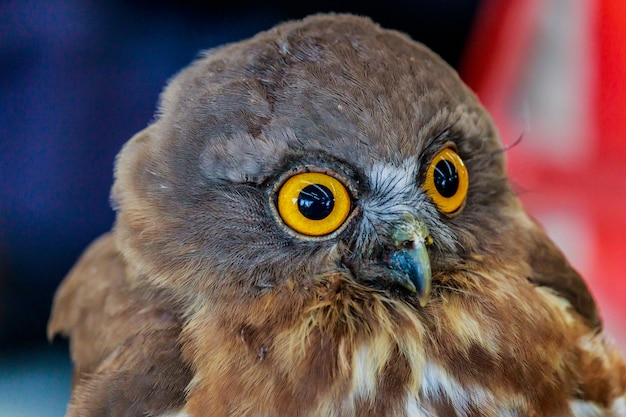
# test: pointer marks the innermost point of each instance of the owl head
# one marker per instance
(322, 148)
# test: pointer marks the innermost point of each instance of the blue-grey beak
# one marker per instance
(410, 264)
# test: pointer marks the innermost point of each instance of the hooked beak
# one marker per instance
(409, 263)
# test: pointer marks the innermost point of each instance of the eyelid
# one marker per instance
(344, 179)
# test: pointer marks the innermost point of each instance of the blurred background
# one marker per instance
(79, 78)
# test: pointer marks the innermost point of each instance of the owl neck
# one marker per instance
(337, 350)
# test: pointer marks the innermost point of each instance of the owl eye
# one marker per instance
(447, 181)
(313, 203)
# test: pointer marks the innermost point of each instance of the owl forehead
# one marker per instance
(362, 94)
(383, 165)
(324, 80)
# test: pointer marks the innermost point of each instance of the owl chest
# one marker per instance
(375, 379)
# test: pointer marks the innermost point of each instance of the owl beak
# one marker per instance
(410, 264)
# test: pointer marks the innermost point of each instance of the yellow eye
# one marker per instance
(447, 181)
(313, 203)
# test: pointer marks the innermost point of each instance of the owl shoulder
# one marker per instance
(124, 343)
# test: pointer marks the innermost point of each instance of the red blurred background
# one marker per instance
(553, 73)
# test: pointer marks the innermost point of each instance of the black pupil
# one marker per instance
(316, 202)
(446, 178)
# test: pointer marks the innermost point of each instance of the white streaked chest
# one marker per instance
(439, 385)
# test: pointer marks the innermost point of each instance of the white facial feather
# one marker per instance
(395, 194)
(393, 190)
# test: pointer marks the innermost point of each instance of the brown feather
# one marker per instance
(550, 269)
(124, 343)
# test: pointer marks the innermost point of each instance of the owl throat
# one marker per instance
(348, 351)
(375, 354)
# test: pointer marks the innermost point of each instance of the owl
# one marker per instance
(319, 223)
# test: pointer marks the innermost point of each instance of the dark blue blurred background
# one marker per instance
(78, 79)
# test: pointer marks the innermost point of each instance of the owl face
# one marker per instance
(318, 203)
(277, 163)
